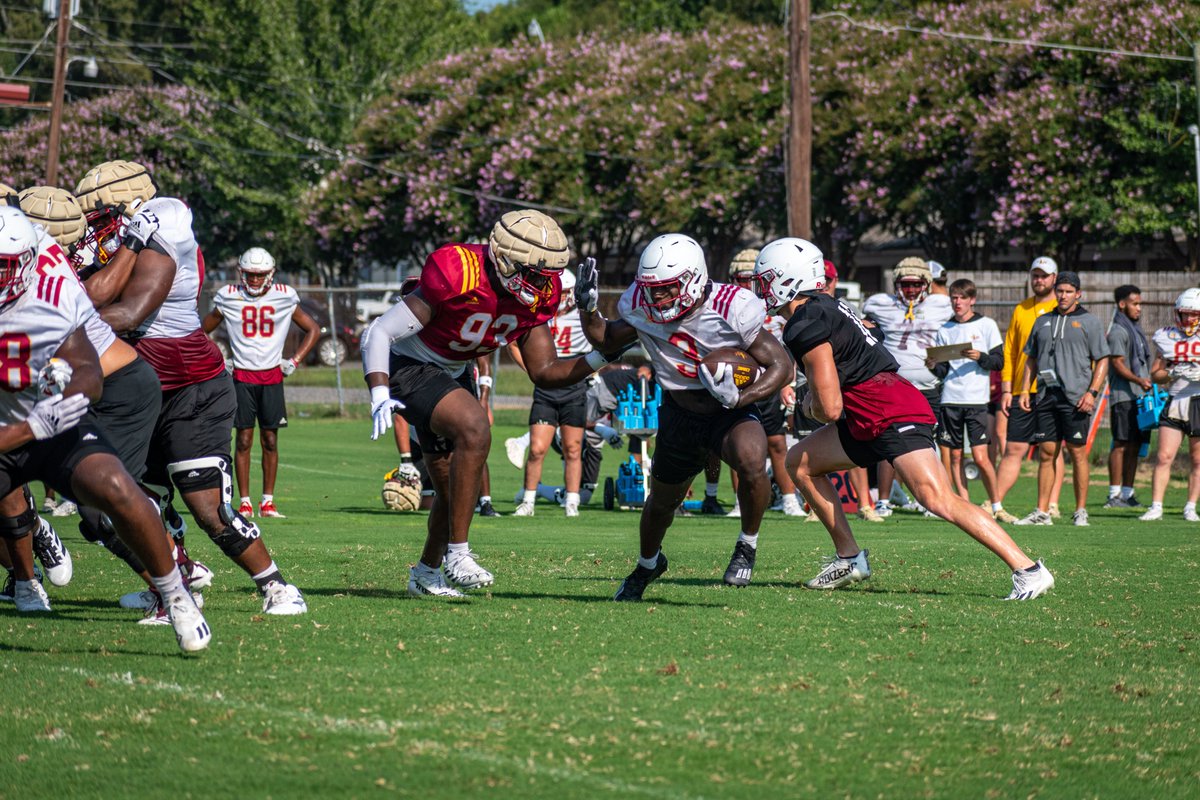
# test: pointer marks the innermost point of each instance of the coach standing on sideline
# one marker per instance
(1129, 379)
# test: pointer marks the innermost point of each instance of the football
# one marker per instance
(745, 369)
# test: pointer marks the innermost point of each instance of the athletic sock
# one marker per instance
(243, 501)
(271, 573)
(1126, 492)
(572, 498)
(1113, 491)
(530, 496)
(710, 489)
(750, 539)
(1189, 507)
(1155, 507)
(997, 507)
(169, 584)
(485, 498)
(649, 563)
(266, 498)
(460, 549)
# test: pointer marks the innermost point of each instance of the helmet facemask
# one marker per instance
(255, 283)
(674, 304)
(20, 244)
(106, 226)
(912, 290)
(1189, 321)
(532, 286)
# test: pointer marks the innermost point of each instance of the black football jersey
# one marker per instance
(856, 352)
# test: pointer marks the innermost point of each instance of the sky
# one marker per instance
(481, 5)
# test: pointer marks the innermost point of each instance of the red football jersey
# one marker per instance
(473, 314)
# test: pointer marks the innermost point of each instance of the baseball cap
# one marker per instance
(830, 270)
(1068, 277)
(1046, 264)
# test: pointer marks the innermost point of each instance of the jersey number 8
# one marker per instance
(258, 321)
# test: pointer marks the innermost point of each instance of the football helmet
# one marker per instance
(1187, 311)
(18, 253)
(785, 268)
(258, 269)
(567, 302)
(59, 213)
(528, 249)
(8, 195)
(742, 266)
(110, 194)
(911, 280)
(671, 261)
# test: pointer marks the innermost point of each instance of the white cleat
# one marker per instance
(736, 511)
(838, 572)
(571, 509)
(1080, 518)
(1035, 517)
(55, 558)
(191, 630)
(1028, 584)
(524, 510)
(425, 581)
(791, 507)
(283, 599)
(66, 509)
(147, 599)
(883, 508)
(1190, 515)
(1152, 514)
(30, 596)
(199, 576)
(465, 573)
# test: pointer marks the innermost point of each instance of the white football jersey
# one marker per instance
(774, 325)
(1176, 347)
(257, 326)
(728, 317)
(53, 261)
(909, 331)
(178, 315)
(32, 328)
(567, 331)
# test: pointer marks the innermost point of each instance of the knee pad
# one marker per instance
(209, 472)
(20, 526)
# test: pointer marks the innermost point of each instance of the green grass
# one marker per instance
(511, 380)
(917, 683)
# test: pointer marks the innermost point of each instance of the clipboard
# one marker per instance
(946, 352)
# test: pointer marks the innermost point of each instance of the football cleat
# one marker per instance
(1006, 517)
(484, 508)
(741, 565)
(55, 558)
(48, 506)
(524, 510)
(635, 583)
(1035, 517)
(148, 599)
(792, 507)
(246, 509)
(1028, 584)
(464, 571)
(1153, 513)
(191, 630)
(267, 509)
(1080, 518)
(1116, 501)
(867, 513)
(711, 505)
(571, 509)
(426, 581)
(30, 596)
(838, 572)
(1190, 515)
(736, 511)
(283, 599)
(883, 508)
(65, 509)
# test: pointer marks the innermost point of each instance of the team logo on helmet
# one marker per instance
(59, 213)
(672, 276)
(258, 269)
(18, 253)
(528, 249)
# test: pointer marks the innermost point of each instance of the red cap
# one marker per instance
(830, 270)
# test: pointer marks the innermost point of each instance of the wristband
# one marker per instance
(133, 244)
(486, 382)
(595, 359)
(405, 458)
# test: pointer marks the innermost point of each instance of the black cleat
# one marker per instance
(633, 586)
(741, 565)
(712, 505)
(485, 509)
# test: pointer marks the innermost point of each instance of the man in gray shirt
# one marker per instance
(1068, 353)
(1129, 379)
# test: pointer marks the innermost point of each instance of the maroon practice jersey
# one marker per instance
(473, 314)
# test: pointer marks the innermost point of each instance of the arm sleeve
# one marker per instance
(993, 359)
(398, 322)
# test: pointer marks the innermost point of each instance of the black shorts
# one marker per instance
(952, 421)
(53, 461)
(1189, 428)
(421, 386)
(196, 422)
(1125, 424)
(685, 439)
(261, 403)
(564, 406)
(934, 398)
(770, 413)
(1058, 420)
(127, 412)
(895, 440)
(1023, 425)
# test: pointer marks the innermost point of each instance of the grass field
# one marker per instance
(919, 683)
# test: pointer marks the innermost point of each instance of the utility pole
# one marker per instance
(799, 136)
(60, 86)
(1194, 130)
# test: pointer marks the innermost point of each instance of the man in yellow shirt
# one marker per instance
(1017, 428)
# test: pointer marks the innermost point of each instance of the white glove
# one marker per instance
(721, 385)
(56, 414)
(383, 405)
(587, 292)
(610, 435)
(139, 230)
(1185, 370)
(54, 377)
(229, 365)
(408, 473)
(288, 367)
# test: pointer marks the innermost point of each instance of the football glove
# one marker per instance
(587, 292)
(407, 473)
(721, 385)
(56, 414)
(54, 377)
(383, 406)
(288, 367)
(1185, 370)
(139, 230)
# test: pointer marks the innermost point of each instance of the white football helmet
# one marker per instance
(671, 260)
(18, 253)
(258, 268)
(567, 301)
(786, 268)
(528, 249)
(1187, 311)
(1046, 264)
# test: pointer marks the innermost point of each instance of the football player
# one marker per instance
(869, 413)
(258, 313)
(680, 316)
(1177, 366)
(910, 319)
(563, 409)
(417, 357)
(51, 373)
(146, 283)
